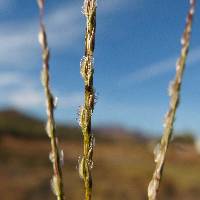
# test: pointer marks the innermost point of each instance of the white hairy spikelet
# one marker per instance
(40, 3)
(81, 168)
(54, 185)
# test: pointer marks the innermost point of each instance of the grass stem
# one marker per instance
(56, 155)
(174, 93)
(87, 71)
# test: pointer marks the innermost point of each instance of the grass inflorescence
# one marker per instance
(87, 71)
(174, 93)
(56, 155)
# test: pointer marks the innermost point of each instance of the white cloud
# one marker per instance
(25, 98)
(73, 99)
(20, 91)
(105, 6)
(151, 71)
(19, 49)
(65, 25)
(159, 68)
(33, 98)
(9, 78)
(19, 43)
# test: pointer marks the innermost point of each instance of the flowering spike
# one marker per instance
(56, 156)
(87, 71)
(174, 93)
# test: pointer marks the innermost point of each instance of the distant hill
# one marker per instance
(18, 124)
(123, 163)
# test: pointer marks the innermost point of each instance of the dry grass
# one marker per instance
(121, 171)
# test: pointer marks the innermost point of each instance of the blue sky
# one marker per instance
(137, 45)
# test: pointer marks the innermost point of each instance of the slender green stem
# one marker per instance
(87, 70)
(56, 155)
(174, 92)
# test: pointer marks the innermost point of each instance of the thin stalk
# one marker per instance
(87, 71)
(174, 93)
(56, 155)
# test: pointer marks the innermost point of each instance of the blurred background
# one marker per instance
(137, 45)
